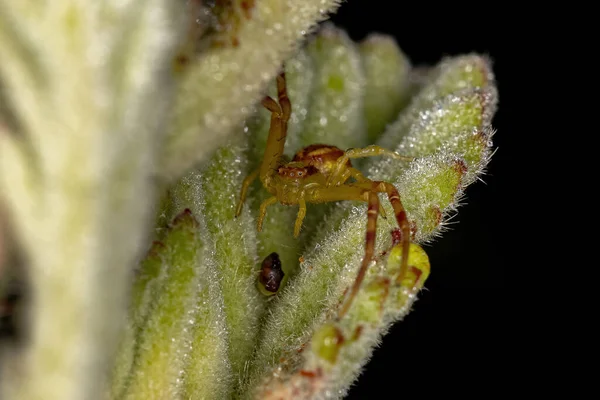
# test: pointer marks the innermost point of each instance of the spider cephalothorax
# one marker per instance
(322, 173)
(296, 171)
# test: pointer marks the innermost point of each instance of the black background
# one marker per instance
(454, 341)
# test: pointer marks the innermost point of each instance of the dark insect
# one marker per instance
(271, 275)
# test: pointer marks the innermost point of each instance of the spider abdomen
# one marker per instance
(323, 157)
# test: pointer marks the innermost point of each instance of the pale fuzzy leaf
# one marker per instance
(76, 177)
(166, 330)
(452, 76)
(178, 327)
(459, 123)
(208, 374)
(219, 88)
(334, 114)
(213, 192)
(388, 84)
(146, 285)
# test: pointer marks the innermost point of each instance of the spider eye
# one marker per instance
(299, 173)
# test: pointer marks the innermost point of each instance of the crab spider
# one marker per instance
(322, 173)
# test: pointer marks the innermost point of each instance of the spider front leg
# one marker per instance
(301, 215)
(340, 171)
(280, 115)
(263, 211)
(272, 200)
(245, 185)
(374, 150)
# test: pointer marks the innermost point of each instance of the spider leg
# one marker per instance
(372, 213)
(263, 210)
(360, 178)
(374, 150)
(300, 217)
(402, 220)
(344, 175)
(369, 151)
(356, 174)
(284, 101)
(394, 197)
(280, 114)
(245, 185)
(369, 191)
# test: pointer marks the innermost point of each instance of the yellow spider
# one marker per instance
(322, 173)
